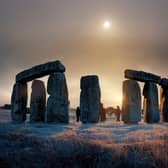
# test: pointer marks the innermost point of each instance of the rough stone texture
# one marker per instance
(57, 85)
(89, 82)
(38, 101)
(164, 104)
(142, 76)
(57, 110)
(57, 105)
(90, 99)
(40, 71)
(19, 102)
(151, 105)
(131, 105)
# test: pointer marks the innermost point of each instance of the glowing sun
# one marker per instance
(106, 25)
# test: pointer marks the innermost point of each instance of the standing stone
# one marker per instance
(90, 99)
(57, 104)
(19, 102)
(164, 104)
(38, 101)
(131, 105)
(164, 83)
(151, 105)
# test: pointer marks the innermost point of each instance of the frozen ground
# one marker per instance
(75, 145)
(107, 133)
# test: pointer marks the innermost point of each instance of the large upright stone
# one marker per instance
(38, 101)
(131, 105)
(164, 83)
(142, 76)
(19, 102)
(57, 105)
(40, 71)
(90, 99)
(164, 104)
(151, 105)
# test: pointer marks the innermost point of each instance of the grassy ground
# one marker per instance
(108, 144)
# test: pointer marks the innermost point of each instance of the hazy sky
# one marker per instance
(38, 31)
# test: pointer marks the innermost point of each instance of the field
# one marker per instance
(106, 144)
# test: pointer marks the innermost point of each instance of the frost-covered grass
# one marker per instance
(108, 144)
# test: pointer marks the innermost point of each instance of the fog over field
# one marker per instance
(35, 32)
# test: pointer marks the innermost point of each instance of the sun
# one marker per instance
(106, 25)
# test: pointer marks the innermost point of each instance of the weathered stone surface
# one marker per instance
(164, 104)
(38, 101)
(142, 76)
(57, 110)
(131, 105)
(57, 85)
(151, 105)
(40, 71)
(90, 99)
(57, 105)
(89, 82)
(19, 102)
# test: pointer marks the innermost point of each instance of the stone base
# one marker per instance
(57, 111)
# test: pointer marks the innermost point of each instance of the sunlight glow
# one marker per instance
(106, 25)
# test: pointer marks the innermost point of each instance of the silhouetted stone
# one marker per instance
(6, 107)
(102, 113)
(38, 101)
(19, 102)
(164, 104)
(131, 105)
(57, 105)
(164, 83)
(142, 76)
(90, 99)
(151, 105)
(40, 71)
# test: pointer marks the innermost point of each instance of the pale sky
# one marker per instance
(38, 31)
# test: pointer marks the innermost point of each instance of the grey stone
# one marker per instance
(142, 76)
(89, 82)
(19, 102)
(38, 101)
(90, 99)
(57, 105)
(151, 105)
(131, 105)
(57, 110)
(57, 85)
(40, 71)
(164, 104)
